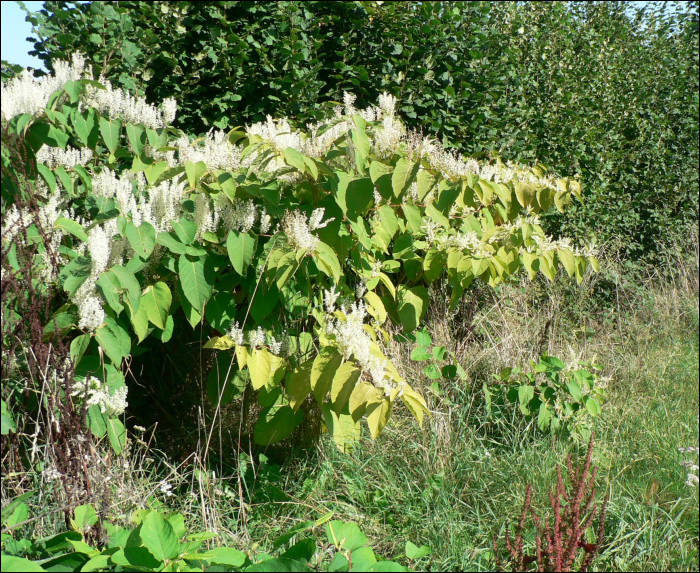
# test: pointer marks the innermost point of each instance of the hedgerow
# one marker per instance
(299, 250)
(607, 90)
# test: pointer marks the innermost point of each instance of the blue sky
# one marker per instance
(15, 48)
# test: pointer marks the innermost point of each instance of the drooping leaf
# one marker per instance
(298, 384)
(196, 279)
(185, 230)
(323, 371)
(117, 435)
(346, 432)
(294, 159)
(157, 299)
(378, 414)
(344, 381)
(404, 174)
(241, 249)
(364, 395)
(111, 132)
(137, 136)
(194, 172)
(413, 304)
(260, 367)
(276, 423)
(327, 261)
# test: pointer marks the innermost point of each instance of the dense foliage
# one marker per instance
(603, 89)
(155, 541)
(295, 248)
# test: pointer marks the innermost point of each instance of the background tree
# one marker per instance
(600, 89)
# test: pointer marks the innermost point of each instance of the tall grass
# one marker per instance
(456, 482)
(453, 484)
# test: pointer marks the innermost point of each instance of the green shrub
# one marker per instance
(602, 89)
(293, 248)
(155, 541)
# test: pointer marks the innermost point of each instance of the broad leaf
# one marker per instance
(241, 249)
(117, 435)
(323, 371)
(157, 299)
(197, 280)
(275, 424)
(158, 536)
(141, 238)
(111, 132)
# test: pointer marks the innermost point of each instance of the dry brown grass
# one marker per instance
(610, 320)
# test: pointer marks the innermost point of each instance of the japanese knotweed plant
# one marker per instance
(297, 247)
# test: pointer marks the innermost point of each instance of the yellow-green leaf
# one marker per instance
(298, 384)
(362, 396)
(323, 371)
(345, 431)
(194, 172)
(242, 356)
(525, 192)
(294, 159)
(343, 384)
(568, 260)
(220, 343)
(404, 174)
(376, 304)
(415, 403)
(259, 366)
(157, 299)
(378, 414)
(426, 181)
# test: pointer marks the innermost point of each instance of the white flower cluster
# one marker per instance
(240, 215)
(206, 218)
(265, 221)
(277, 347)
(97, 393)
(544, 244)
(355, 342)
(215, 150)
(116, 103)
(329, 299)
(106, 184)
(280, 134)
(297, 228)
(92, 314)
(389, 136)
(158, 206)
(15, 221)
(437, 237)
(692, 479)
(166, 488)
(50, 473)
(29, 94)
(164, 204)
(70, 157)
(236, 334)
(103, 253)
(259, 337)
(256, 337)
(316, 220)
